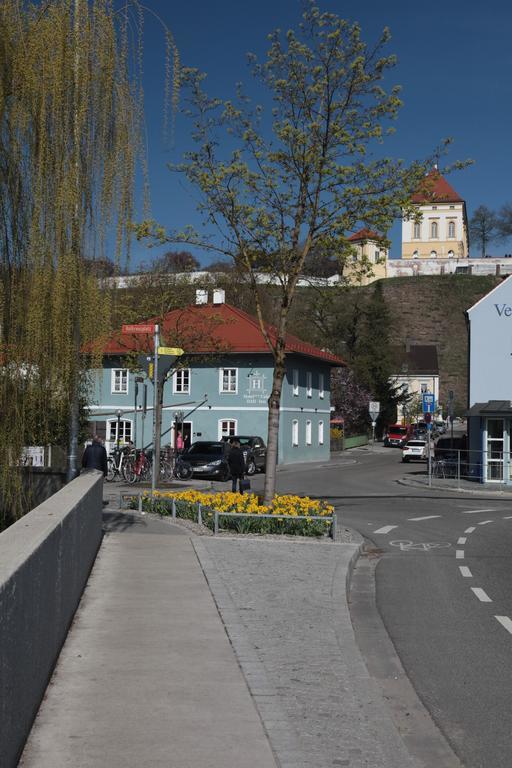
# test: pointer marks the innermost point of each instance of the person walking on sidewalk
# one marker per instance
(95, 456)
(236, 462)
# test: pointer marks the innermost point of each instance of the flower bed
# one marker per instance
(186, 506)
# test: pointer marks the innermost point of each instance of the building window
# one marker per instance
(433, 254)
(295, 432)
(415, 254)
(228, 380)
(181, 381)
(320, 433)
(417, 231)
(295, 376)
(125, 431)
(308, 432)
(309, 384)
(424, 388)
(451, 229)
(377, 256)
(321, 390)
(227, 428)
(119, 382)
(354, 255)
(434, 229)
(451, 254)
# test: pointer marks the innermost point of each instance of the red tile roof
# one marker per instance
(364, 234)
(435, 188)
(213, 328)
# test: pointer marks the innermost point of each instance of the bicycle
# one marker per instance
(116, 463)
(138, 467)
(182, 469)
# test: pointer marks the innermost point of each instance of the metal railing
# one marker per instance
(463, 465)
(332, 519)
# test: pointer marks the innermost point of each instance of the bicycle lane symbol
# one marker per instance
(407, 546)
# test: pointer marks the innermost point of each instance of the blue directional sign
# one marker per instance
(429, 402)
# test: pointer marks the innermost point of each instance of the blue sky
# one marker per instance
(454, 64)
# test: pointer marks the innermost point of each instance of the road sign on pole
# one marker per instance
(429, 402)
(171, 351)
(374, 409)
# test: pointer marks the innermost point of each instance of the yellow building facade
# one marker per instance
(441, 230)
(368, 259)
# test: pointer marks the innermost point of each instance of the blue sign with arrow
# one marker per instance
(429, 402)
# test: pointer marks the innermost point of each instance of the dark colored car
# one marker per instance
(255, 452)
(208, 459)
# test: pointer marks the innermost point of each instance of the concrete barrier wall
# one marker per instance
(45, 560)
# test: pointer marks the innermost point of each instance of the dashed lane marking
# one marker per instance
(386, 529)
(459, 554)
(461, 540)
(426, 517)
(505, 622)
(470, 530)
(476, 511)
(508, 517)
(482, 596)
(486, 522)
(465, 572)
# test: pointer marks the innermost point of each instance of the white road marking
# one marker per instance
(470, 530)
(427, 517)
(459, 554)
(386, 529)
(509, 517)
(486, 522)
(482, 596)
(465, 571)
(476, 511)
(462, 540)
(506, 622)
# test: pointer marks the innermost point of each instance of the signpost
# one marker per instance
(429, 406)
(374, 410)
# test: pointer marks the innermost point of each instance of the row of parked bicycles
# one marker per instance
(132, 466)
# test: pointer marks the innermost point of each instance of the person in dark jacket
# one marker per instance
(236, 463)
(95, 456)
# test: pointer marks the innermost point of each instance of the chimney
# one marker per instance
(201, 296)
(219, 296)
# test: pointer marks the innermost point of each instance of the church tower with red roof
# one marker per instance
(442, 230)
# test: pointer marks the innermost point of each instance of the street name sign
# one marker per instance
(171, 351)
(139, 328)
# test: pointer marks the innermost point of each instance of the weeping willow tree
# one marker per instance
(70, 119)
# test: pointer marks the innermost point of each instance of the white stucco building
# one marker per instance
(490, 384)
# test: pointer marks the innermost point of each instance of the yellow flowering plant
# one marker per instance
(300, 511)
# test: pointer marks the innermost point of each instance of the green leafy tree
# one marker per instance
(297, 186)
(70, 127)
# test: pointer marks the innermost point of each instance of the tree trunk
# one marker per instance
(274, 403)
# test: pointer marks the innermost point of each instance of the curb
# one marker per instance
(434, 487)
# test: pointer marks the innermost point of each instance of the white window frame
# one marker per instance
(177, 387)
(309, 384)
(451, 229)
(223, 391)
(233, 425)
(321, 386)
(416, 231)
(123, 374)
(434, 227)
(295, 433)
(320, 433)
(295, 379)
(309, 432)
(111, 430)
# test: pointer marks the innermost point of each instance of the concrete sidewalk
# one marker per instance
(147, 677)
(206, 652)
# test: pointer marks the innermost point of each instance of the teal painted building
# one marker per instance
(220, 388)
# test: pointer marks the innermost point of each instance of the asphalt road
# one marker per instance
(443, 574)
